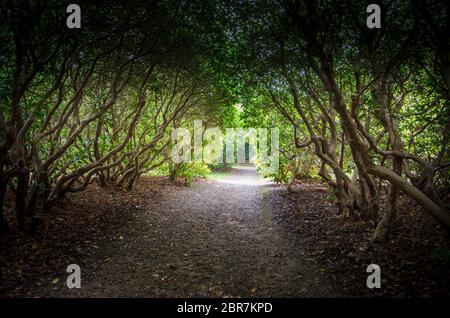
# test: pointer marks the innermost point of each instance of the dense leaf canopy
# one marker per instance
(366, 111)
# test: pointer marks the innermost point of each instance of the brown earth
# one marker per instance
(234, 235)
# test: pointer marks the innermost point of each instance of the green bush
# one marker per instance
(219, 166)
(189, 171)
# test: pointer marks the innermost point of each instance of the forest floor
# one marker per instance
(231, 235)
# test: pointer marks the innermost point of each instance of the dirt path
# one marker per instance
(217, 238)
(233, 235)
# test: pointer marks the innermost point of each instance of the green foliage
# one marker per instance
(101, 103)
(282, 175)
(219, 166)
(189, 171)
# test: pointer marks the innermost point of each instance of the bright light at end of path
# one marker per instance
(244, 176)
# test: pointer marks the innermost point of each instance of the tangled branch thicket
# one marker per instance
(372, 105)
(367, 110)
(94, 104)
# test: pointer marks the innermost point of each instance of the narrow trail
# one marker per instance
(218, 238)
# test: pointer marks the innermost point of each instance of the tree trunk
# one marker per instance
(21, 196)
(390, 213)
(440, 213)
(3, 225)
